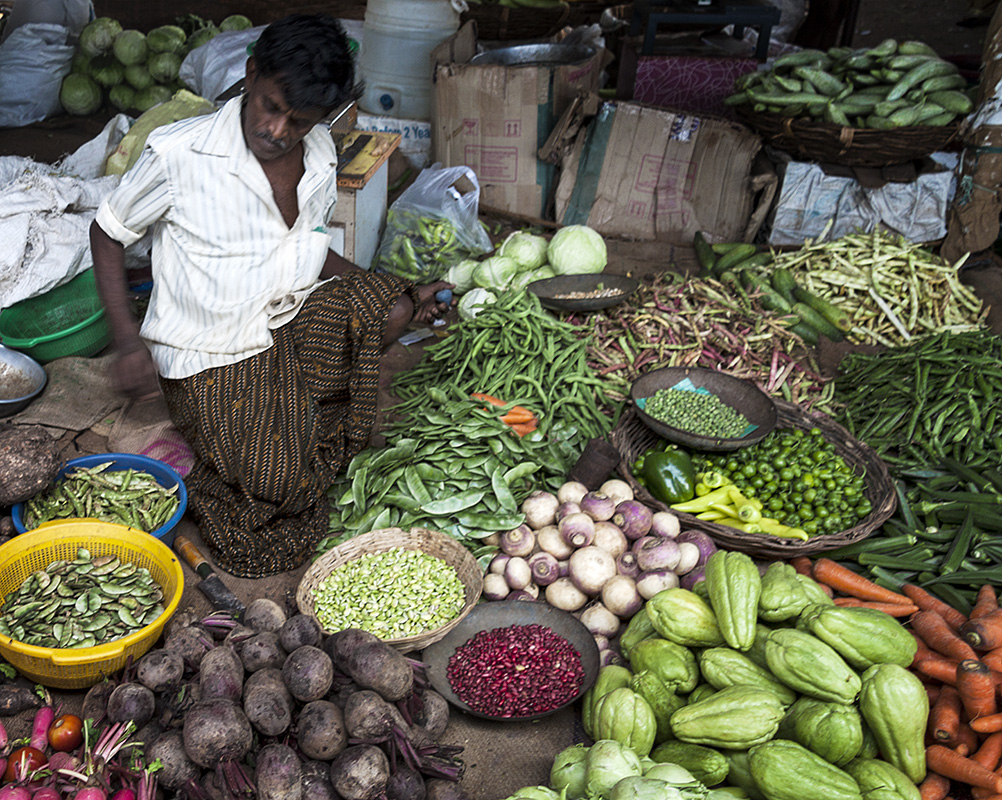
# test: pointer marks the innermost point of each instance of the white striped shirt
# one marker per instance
(226, 267)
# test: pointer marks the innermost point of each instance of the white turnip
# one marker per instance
(617, 489)
(599, 620)
(550, 541)
(621, 597)
(590, 568)
(540, 509)
(571, 492)
(609, 537)
(563, 594)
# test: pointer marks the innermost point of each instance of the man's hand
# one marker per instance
(135, 376)
(428, 308)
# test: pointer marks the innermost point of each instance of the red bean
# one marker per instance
(518, 671)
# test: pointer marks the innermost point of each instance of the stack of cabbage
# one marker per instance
(525, 257)
(132, 70)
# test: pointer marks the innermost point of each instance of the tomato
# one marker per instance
(22, 762)
(66, 733)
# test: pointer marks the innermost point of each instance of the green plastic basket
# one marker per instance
(66, 321)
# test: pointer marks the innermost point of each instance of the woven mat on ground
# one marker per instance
(77, 396)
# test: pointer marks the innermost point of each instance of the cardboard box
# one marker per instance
(494, 119)
(650, 173)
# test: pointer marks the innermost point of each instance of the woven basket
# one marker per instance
(427, 541)
(631, 437)
(814, 140)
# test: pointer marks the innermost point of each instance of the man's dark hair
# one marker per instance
(309, 57)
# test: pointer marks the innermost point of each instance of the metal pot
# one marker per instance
(537, 55)
(21, 380)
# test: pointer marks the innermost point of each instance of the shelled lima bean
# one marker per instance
(85, 602)
(393, 594)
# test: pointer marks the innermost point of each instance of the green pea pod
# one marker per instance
(450, 505)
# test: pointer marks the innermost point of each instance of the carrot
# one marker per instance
(802, 564)
(987, 600)
(522, 428)
(967, 740)
(518, 414)
(844, 580)
(894, 609)
(952, 765)
(989, 753)
(990, 724)
(932, 691)
(826, 589)
(985, 632)
(993, 658)
(944, 716)
(934, 787)
(976, 687)
(921, 651)
(488, 399)
(939, 636)
(939, 668)
(929, 602)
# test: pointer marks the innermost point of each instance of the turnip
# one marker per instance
(267, 702)
(178, 768)
(321, 731)
(496, 567)
(308, 673)
(517, 573)
(264, 615)
(650, 583)
(360, 772)
(571, 492)
(563, 594)
(688, 558)
(518, 541)
(261, 650)
(216, 731)
(600, 620)
(495, 586)
(664, 523)
(590, 568)
(609, 537)
(379, 667)
(621, 597)
(160, 670)
(221, 674)
(564, 509)
(298, 630)
(540, 509)
(633, 518)
(131, 702)
(617, 489)
(278, 774)
(544, 569)
(578, 529)
(598, 506)
(550, 541)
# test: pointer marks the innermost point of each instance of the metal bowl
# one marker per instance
(535, 55)
(21, 380)
(549, 291)
(741, 395)
(502, 614)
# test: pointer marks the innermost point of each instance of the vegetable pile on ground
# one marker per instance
(131, 70)
(273, 707)
(892, 85)
(456, 461)
(935, 398)
(672, 322)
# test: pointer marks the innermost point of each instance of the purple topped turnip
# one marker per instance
(495, 587)
(578, 530)
(550, 541)
(518, 541)
(609, 537)
(621, 597)
(658, 552)
(598, 506)
(571, 492)
(664, 523)
(706, 545)
(544, 568)
(540, 509)
(633, 518)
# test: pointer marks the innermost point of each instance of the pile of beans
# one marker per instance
(517, 671)
(699, 413)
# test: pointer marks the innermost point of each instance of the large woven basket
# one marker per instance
(814, 140)
(631, 438)
(427, 541)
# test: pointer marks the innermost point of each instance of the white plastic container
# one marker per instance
(395, 53)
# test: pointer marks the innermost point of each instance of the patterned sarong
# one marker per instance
(270, 433)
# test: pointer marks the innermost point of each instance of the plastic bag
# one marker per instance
(34, 59)
(433, 225)
(214, 67)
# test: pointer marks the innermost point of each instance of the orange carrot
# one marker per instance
(939, 636)
(952, 765)
(844, 580)
(518, 414)
(802, 564)
(989, 753)
(993, 658)
(522, 428)
(985, 632)
(976, 688)
(934, 787)
(827, 589)
(990, 724)
(894, 609)
(932, 691)
(987, 600)
(922, 649)
(967, 740)
(488, 399)
(929, 602)
(944, 716)
(939, 668)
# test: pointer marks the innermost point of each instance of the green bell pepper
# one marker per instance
(669, 475)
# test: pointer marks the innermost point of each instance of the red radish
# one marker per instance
(90, 793)
(3, 737)
(13, 792)
(121, 794)
(44, 718)
(46, 793)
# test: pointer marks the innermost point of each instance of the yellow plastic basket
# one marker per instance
(36, 549)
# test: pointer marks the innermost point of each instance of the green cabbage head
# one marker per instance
(473, 302)
(80, 95)
(98, 36)
(138, 77)
(235, 22)
(537, 793)
(496, 273)
(461, 274)
(130, 47)
(164, 67)
(528, 249)
(576, 250)
(167, 39)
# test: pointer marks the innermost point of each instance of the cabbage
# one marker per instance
(634, 788)
(608, 763)
(575, 250)
(461, 274)
(496, 272)
(98, 36)
(203, 36)
(166, 39)
(151, 96)
(80, 63)
(235, 22)
(130, 47)
(569, 770)
(528, 249)
(523, 279)
(122, 96)
(80, 95)
(106, 71)
(138, 77)
(164, 67)
(473, 302)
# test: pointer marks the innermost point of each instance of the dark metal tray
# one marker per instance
(546, 290)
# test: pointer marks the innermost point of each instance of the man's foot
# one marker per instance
(428, 309)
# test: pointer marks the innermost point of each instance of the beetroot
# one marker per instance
(378, 666)
(264, 615)
(260, 651)
(160, 670)
(278, 774)
(131, 701)
(320, 730)
(308, 673)
(216, 731)
(178, 768)
(221, 674)
(191, 642)
(298, 630)
(360, 772)
(267, 702)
